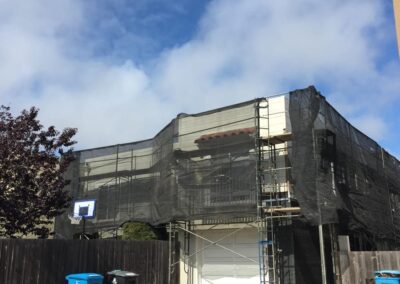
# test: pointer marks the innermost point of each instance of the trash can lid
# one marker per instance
(122, 273)
(387, 271)
(84, 276)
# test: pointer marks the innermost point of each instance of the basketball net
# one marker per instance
(75, 220)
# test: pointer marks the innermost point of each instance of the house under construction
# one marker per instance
(256, 192)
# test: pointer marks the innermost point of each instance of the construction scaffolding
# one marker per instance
(258, 164)
(276, 205)
(199, 167)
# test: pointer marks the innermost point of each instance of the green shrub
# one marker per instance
(138, 231)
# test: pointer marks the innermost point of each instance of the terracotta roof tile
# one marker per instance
(229, 133)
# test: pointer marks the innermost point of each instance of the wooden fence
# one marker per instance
(49, 261)
(359, 266)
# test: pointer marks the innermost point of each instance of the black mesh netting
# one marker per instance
(204, 166)
(340, 175)
(199, 166)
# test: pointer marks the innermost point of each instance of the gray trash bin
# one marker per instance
(121, 277)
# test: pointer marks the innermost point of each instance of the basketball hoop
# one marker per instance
(75, 220)
(83, 209)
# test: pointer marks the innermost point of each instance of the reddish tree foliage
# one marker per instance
(32, 163)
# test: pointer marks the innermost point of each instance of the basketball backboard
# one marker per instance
(84, 208)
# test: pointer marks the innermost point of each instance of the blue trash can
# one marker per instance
(387, 277)
(85, 278)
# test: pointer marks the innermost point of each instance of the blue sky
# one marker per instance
(119, 70)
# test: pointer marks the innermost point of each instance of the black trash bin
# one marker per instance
(121, 277)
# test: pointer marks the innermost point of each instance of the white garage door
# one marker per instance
(219, 266)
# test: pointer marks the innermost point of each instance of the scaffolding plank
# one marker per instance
(282, 210)
(277, 139)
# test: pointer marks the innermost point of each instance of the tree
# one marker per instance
(138, 231)
(32, 163)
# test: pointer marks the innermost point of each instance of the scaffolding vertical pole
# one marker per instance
(169, 251)
(322, 252)
(333, 236)
(335, 254)
(117, 189)
(320, 226)
(260, 214)
(267, 261)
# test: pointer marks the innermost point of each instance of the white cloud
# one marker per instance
(109, 103)
(373, 125)
(266, 44)
(243, 49)
(258, 48)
